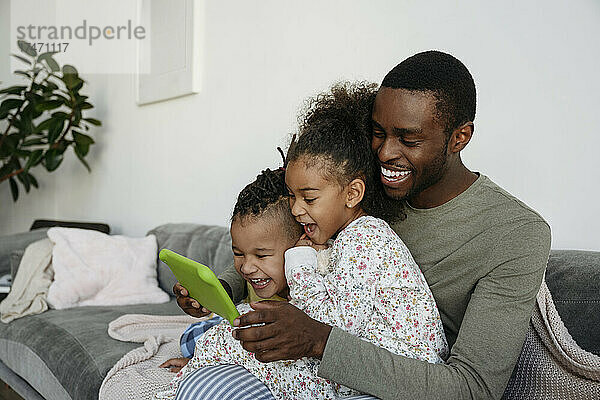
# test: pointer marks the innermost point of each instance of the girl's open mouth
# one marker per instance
(309, 229)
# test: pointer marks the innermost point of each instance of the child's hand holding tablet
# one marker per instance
(201, 284)
(188, 304)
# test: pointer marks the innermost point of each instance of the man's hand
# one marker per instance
(305, 241)
(187, 304)
(175, 364)
(288, 333)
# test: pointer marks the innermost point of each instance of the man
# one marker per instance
(481, 250)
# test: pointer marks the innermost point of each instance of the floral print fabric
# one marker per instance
(376, 292)
(373, 289)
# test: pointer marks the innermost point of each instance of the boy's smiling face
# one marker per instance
(258, 245)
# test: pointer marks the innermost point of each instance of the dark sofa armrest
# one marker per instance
(573, 277)
(49, 223)
(13, 246)
(16, 242)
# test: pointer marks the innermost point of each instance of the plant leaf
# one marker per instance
(78, 86)
(77, 117)
(13, 90)
(34, 159)
(63, 145)
(23, 73)
(55, 129)
(80, 157)
(69, 70)
(73, 82)
(33, 181)
(44, 125)
(66, 101)
(80, 98)
(52, 159)
(82, 143)
(6, 169)
(10, 104)
(54, 67)
(48, 105)
(30, 109)
(9, 145)
(16, 164)
(27, 48)
(5, 151)
(22, 153)
(86, 106)
(93, 121)
(26, 61)
(26, 120)
(34, 115)
(23, 178)
(60, 114)
(33, 142)
(51, 85)
(14, 189)
(82, 139)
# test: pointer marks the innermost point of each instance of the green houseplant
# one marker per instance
(41, 119)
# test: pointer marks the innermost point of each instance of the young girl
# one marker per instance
(373, 288)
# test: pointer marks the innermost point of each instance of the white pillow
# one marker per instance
(95, 269)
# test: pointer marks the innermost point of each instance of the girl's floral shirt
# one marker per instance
(375, 291)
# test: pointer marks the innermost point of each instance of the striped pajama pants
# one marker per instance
(229, 382)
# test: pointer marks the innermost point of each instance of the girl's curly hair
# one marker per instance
(336, 127)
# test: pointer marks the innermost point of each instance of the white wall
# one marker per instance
(535, 65)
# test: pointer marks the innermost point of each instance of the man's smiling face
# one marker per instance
(409, 141)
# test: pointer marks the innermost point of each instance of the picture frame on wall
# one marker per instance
(169, 63)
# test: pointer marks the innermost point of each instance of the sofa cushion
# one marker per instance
(573, 277)
(95, 269)
(206, 244)
(14, 243)
(72, 345)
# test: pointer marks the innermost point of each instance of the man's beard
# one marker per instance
(429, 176)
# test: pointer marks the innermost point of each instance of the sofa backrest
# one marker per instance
(207, 244)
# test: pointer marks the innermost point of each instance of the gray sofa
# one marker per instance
(66, 354)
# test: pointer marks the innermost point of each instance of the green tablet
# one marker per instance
(201, 283)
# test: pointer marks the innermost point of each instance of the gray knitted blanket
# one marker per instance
(551, 364)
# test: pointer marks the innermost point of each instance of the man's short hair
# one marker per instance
(445, 77)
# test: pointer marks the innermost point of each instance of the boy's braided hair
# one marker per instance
(268, 189)
(267, 194)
